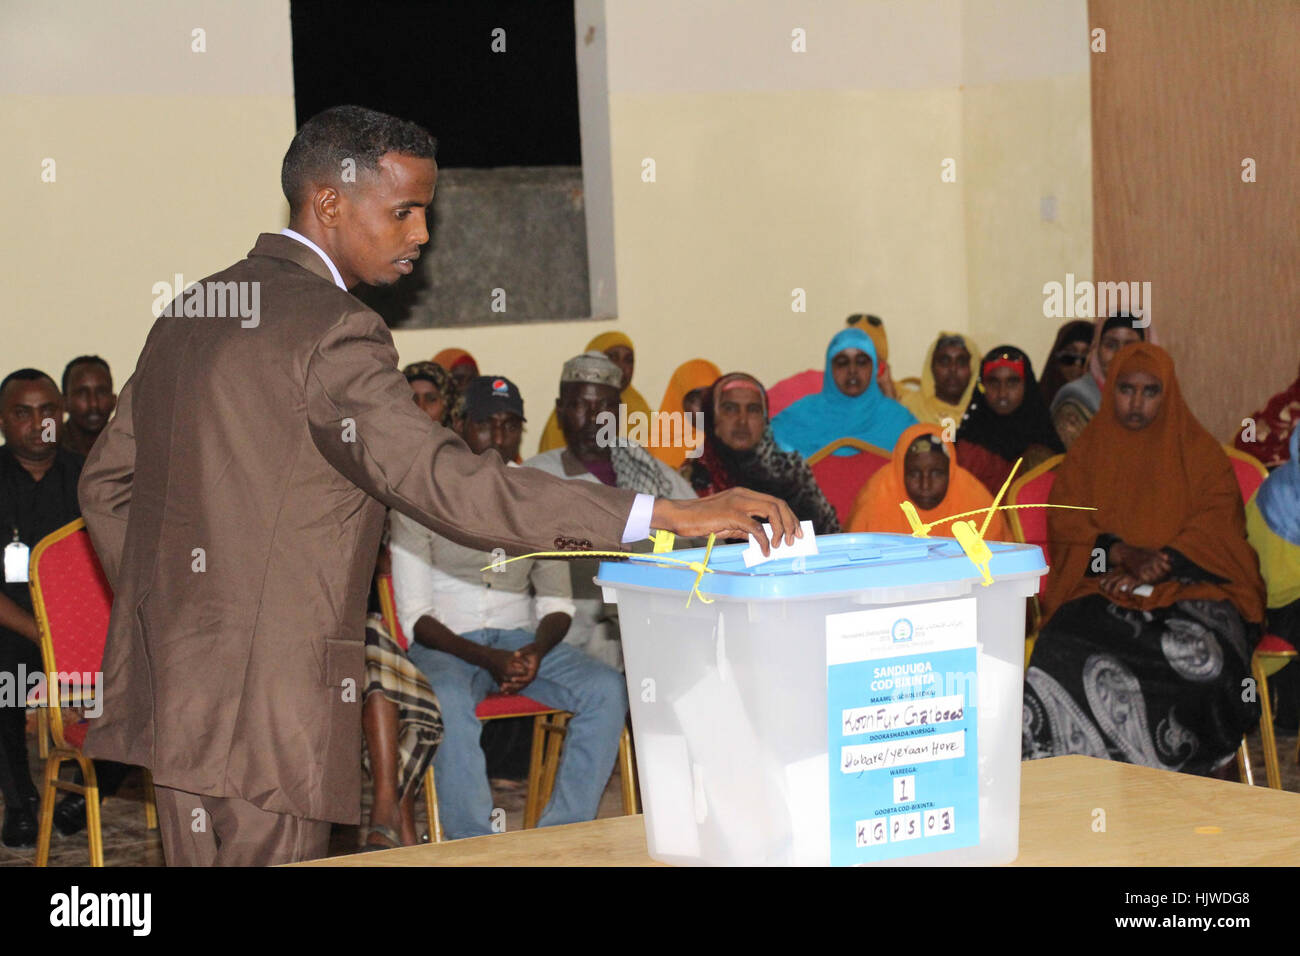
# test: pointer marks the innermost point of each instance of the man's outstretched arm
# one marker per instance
(364, 423)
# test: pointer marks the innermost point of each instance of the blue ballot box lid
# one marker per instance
(844, 563)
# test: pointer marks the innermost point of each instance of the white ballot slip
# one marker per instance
(802, 546)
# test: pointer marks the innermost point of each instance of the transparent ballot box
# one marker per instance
(861, 705)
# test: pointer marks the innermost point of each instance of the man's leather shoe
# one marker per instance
(20, 825)
(70, 814)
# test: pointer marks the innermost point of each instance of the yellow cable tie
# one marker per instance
(998, 500)
(919, 529)
(699, 567)
(970, 537)
(658, 557)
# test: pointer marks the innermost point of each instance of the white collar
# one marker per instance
(338, 279)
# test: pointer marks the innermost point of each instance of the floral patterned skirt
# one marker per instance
(1168, 688)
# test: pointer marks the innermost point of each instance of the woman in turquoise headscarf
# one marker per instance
(850, 404)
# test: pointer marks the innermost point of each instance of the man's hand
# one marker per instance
(522, 669)
(504, 666)
(728, 514)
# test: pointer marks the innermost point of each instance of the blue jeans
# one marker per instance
(567, 679)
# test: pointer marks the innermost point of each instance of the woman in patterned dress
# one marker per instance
(1154, 601)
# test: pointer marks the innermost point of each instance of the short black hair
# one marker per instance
(84, 360)
(347, 132)
(24, 375)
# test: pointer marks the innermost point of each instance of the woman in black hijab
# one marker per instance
(1006, 419)
(1068, 359)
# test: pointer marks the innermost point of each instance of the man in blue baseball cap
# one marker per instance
(494, 416)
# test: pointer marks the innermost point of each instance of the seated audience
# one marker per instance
(849, 405)
(923, 472)
(502, 629)
(1273, 528)
(1154, 601)
(695, 376)
(1068, 358)
(948, 380)
(617, 347)
(460, 364)
(694, 402)
(874, 326)
(1274, 425)
(433, 389)
(38, 495)
(1006, 420)
(589, 386)
(89, 399)
(399, 711)
(789, 390)
(739, 452)
(1076, 402)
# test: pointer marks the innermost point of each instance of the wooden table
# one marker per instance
(1152, 818)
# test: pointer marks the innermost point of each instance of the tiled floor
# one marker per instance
(128, 843)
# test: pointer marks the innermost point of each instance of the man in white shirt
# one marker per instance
(479, 631)
(585, 408)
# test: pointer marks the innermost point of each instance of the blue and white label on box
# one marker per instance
(901, 689)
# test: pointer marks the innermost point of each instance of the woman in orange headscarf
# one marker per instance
(618, 347)
(922, 471)
(1154, 600)
(697, 375)
(460, 364)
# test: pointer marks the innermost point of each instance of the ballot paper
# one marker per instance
(810, 812)
(737, 797)
(669, 791)
(802, 546)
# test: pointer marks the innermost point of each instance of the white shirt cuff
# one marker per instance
(638, 521)
(545, 604)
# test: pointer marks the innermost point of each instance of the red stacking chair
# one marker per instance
(1272, 653)
(1029, 525)
(549, 727)
(72, 602)
(841, 477)
(789, 390)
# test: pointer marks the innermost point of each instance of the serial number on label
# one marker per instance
(898, 827)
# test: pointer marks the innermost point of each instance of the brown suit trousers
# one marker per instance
(220, 831)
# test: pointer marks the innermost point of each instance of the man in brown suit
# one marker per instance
(236, 501)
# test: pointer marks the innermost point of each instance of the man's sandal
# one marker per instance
(388, 833)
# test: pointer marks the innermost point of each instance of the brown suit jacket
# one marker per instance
(236, 502)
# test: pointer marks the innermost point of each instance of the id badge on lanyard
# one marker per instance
(17, 559)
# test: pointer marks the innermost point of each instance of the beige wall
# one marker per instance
(1026, 136)
(166, 161)
(821, 170)
(775, 170)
